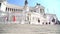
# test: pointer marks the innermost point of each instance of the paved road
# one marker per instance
(29, 29)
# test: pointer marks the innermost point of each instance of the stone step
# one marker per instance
(29, 29)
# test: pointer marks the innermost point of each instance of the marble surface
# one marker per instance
(29, 29)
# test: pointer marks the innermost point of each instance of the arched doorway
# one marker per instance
(43, 23)
(49, 23)
(46, 23)
(38, 21)
(53, 20)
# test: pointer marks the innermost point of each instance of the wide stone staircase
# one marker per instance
(29, 29)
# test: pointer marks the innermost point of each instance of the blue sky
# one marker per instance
(51, 6)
